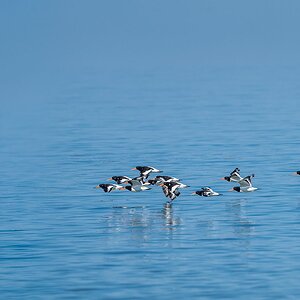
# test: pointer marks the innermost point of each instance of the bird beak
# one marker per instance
(231, 190)
(133, 169)
(109, 179)
(97, 187)
(222, 178)
(161, 184)
(295, 173)
(194, 193)
(122, 189)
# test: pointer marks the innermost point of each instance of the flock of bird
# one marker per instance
(171, 185)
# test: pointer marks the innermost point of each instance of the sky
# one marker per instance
(44, 41)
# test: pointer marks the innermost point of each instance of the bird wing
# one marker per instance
(136, 181)
(109, 188)
(146, 171)
(166, 190)
(235, 171)
(246, 181)
(177, 193)
(236, 176)
(200, 193)
(117, 186)
(174, 187)
(172, 196)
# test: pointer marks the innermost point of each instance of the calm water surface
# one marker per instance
(61, 238)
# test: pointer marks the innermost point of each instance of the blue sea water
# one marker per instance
(63, 239)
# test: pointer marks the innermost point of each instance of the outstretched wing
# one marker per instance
(174, 186)
(136, 181)
(246, 181)
(235, 174)
(145, 171)
(109, 188)
(172, 196)
(166, 190)
(177, 193)
(236, 170)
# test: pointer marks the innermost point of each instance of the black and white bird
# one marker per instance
(245, 185)
(166, 178)
(161, 179)
(137, 184)
(206, 192)
(234, 176)
(107, 188)
(170, 189)
(140, 180)
(146, 170)
(120, 179)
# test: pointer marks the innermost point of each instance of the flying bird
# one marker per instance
(137, 184)
(245, 185)
(170, 189)
(120, 179)
(140, 180)
(137, 188)
(234, 176)
(146, 170)
(161, 179)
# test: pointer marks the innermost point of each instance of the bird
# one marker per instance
(170, 189)
(234, 176)
(107, 188)
(120, 179)
(140, 180)
(206, 192)
(161, 179)
(137, 188)
(137, 184)
(245, 185)
(167, 178)
(146, 170)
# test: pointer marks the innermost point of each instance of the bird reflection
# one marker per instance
(138, 223)
(170, 220)
(242, 226)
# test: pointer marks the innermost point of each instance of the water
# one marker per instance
(61, 238)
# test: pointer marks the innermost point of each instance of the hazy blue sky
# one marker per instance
(51, 40)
